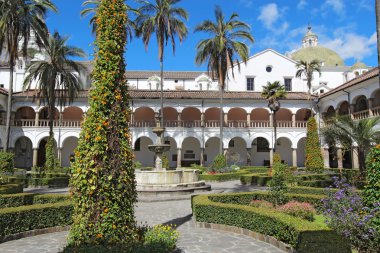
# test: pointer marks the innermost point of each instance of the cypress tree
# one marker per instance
(103, 181)
(314, 159)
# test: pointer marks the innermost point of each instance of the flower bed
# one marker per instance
(304, 236)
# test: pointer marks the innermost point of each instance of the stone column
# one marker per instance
(370, 105)
(270, 119)
(202, 157)
(352, 110)
(35, 156)
(248, 120)
(225, 119)
(271, 157)
(355, 158)
(225, 150)
(293, 120)
(326, 157)
(294, 157)
(179, 158)
(132, 119)
(340, 158)
(179, 118)
(202, 119)
(36, 119)
(59, 150)
(249, 152)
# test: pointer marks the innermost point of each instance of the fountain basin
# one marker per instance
(159, 148)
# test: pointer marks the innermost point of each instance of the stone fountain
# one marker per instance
(163, 182)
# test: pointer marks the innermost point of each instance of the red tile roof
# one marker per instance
(364, 77)
(3, 91)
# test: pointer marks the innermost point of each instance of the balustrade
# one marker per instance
(360, 115)
(45, 123)
(237, 123)
(376, 111)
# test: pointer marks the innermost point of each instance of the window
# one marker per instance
(174, 157)
(176, 81)
(262, 145)
(268, 69)
(288, 84)
(321, 91)
(250, 83)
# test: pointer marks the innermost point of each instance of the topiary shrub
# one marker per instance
(103, 183)
(277, 186)
(314, 159)
(219, 164)
(51, 161)
(372, 190)
(6, 163)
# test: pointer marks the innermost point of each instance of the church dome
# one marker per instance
(311, 51)
(359, 65)
(327, 56)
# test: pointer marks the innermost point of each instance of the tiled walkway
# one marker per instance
(192, 239)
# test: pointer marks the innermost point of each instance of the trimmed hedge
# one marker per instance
(22, 199)
(58, 182)
(302, 235)
(220, 177)
(255, 179)
(24, 218)
(316, 183)
(11, 188)
(253, 169)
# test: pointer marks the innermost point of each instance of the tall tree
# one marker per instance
(314, 158)
(344, 131)
(167, 22)
(377, 11)
(307, 69)
(18, 20)
(56, 77)
(103, 182)
(92, 7)
(225, 45)
(273, 92)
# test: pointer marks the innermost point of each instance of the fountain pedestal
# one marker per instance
(162, 182)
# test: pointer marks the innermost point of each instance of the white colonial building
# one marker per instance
(191, 111)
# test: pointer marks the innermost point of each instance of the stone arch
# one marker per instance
(142, 152)
(211, 149)
(360, 103)
(172, 153)
(170, 117)
(284, 114)
(69, 144)
(72, 113)
(375, 96)
(237, 151)
(330, 112)
(343, 108)
(212, 117)
(260, 151)
(301, 152)
(191, 117)
(259, 117)
(3, 114)
(44, 113)
(41, 157)
(191, 151)
(144, 117)
(303, 114)
(237, 117)
(284, 148)
(23, 149)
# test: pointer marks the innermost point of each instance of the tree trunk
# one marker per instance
(162, 92)
(275, 131)
(361, 157)
(9, 108)
(377, 7)
(221, 119)
(51, 113)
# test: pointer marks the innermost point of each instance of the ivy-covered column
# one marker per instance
(103, 181)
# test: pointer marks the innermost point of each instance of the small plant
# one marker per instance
(137, 165)
(261, 204)
(165, 161)
(6, 163)
(219, 165)
(348, 216)
(161, 238)
(302, 210)
(198, 167)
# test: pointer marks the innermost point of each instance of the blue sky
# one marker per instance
(346, 26)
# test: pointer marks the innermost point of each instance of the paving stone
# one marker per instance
(178, 212)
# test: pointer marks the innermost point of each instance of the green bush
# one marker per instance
(219, 163)
(6, 163)
(221, 177)
(314, 159)
(137, 165)
(51, 162)
(19, 219)
(11, 188)
(255, 179)
(316, 183)
(165, 161)
(37, 182)
(372, 190)
(50, 198)
(161, 239)
(254, 169)
(277, 186)
(14, 200)
(304, 236)
(309, 190)
(198, 167)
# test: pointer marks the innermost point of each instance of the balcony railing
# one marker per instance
(45, 123)
(360, 115)
(376, 111)
(259, 124)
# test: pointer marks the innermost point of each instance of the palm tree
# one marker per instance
(377, 7)
(93, 8)
(272, 92)
(56, 76)
(166, 21)
(307, 69)
(225, 45)
(345, 131)
(19, 18)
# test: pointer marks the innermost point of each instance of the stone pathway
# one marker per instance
(178, 212)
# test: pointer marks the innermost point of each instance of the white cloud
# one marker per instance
(246, 3)
(365, 4)
(301, 4)
(269, 14)
(337, 6)
(352, 46)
